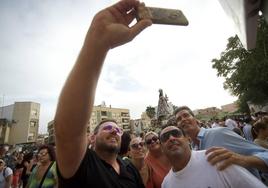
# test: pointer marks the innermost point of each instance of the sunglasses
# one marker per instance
(136, 145)
(175, 133)
(110, 128)
(150, 141)
(42, 154)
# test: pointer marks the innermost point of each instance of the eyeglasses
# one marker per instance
(136, 145)
(110, 128)
(150, 141)
(42, 154)
(175, 133)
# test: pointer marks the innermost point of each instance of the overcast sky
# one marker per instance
(40, 40)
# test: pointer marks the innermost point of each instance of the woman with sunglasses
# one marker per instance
(44, 173)
(156, 161)
(137, 152)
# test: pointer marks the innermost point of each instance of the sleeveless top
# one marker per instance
(49, 181)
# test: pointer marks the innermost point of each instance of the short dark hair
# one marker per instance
(103, 121)
(125, 140)
(183, 108)
(50, 150)
(261, 123)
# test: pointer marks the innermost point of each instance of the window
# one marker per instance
(31, 137)
(34, 112)
(33, 123)
(103, 113)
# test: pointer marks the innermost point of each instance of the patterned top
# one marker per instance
(49, 182)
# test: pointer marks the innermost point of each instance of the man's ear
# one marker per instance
(92, 139)
(189, 139)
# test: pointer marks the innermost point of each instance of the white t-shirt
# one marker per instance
(198, 173)
(231, 124)
(8, 172)
(214, 125)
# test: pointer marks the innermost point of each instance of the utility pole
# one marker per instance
(2, 107)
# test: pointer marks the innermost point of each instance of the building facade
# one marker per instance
(233, 107)
(101, 112)
(211, 111)
(98, 114)
(51, 132)
(21, 121)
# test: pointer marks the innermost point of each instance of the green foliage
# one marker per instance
(150, 111)
(246, 72)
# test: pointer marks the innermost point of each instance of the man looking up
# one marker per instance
(188, 165)
(77, 165)
(238, 150)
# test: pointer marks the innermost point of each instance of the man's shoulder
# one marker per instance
(7, 172)
(217, 130)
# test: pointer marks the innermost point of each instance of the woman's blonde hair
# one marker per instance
(150, 132)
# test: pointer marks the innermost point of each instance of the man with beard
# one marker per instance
(223, 144)
(100, 167)
(189, 166)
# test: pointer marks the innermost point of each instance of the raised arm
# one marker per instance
(109, 29)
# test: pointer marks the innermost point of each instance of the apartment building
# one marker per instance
(230, 107)
(19, 123)
(51, 132)
(101, 112)
(98, 114)
(213, 111)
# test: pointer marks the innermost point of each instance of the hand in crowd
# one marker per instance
(110, 27)
(222, 158)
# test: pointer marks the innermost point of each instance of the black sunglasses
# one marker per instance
(136, 145)
(150, 141)
(175, 133)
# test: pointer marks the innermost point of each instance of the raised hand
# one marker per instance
(110, 27)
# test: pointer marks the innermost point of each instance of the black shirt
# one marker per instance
(96, 173)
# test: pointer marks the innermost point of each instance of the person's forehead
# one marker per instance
(135, 140)
(182, 112)
(109, 123)
(169, 128)
(43, 150)
(152, 134)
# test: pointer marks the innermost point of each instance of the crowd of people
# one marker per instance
(164, 159)
(28, 168)
(184, 154)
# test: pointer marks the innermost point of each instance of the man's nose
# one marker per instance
(171, 137)
(113, 131)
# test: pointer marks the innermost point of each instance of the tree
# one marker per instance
(150, 112)
(246, 72)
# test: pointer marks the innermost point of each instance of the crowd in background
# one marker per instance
(32, 167)
(19, 168)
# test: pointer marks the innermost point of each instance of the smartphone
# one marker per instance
(162, 15)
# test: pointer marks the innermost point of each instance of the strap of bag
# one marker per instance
(45, 174)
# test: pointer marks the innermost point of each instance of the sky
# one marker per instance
(40, 41)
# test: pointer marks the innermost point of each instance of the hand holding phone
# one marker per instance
(161, 15)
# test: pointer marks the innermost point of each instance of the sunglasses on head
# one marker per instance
(150, 141)
(136, 145)
(110, 128)
(175, 133)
